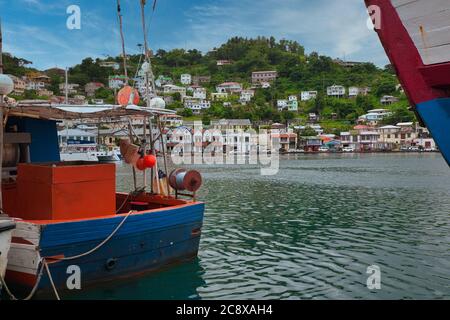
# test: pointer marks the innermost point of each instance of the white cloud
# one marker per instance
(335, 28)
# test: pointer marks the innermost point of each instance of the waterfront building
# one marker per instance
(288, 140)
(186, 79)
(308, 95)
(264, 76)
(362, 138)
(310, 143)
(336, 91)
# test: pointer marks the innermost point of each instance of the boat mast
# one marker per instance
(149, 78)
(1, 121)
(119, 14)
(66, 88)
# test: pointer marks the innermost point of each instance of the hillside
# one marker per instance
(297, 72)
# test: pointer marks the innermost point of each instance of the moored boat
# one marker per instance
(71, 215)
(416, 38)
(6, 228)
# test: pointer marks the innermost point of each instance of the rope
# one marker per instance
(33, 291)
(44, 263)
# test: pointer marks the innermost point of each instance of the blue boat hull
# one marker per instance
(146, 242)
(436, 115)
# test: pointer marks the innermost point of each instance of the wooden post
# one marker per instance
(130, 129)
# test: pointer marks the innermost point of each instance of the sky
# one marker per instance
(36, 29)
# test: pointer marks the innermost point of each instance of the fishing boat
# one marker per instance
(6, 228)
(73, 229)
(70, 214)
(416, 38)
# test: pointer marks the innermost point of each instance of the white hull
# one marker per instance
(6, 229)
(78, 156)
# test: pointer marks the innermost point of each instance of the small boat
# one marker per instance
(416, 38)
(6, 228)
(72, 216)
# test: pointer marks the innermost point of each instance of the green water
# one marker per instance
(311, 231)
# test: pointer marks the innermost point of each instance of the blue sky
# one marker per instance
(36, 29)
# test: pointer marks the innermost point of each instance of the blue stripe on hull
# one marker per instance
(436, 115)
(146, 242)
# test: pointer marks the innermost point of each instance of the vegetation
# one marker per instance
(297, 71)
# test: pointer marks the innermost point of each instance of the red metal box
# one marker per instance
(65, 191)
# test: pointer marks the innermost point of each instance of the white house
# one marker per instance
(116, 82)
(71, 87)
(229, 87)
(374, 116)
(247, 95)
(308, 95)
(388, 100)
(35, 85)
(199, 93)
(336, 91)
(197, 105)
(186, 79)
(356, 91)
(293, 103)
(215, 96)
(282, 104)
(170, 89)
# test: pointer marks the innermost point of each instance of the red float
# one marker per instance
(140, 165)
(124, 96)
(149, 161)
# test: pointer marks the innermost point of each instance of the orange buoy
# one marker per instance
(124, 96)
(149, 161)
(140, 164)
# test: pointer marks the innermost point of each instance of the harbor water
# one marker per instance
(312, 231)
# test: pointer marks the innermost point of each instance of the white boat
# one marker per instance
(78, 156)
(6, 228)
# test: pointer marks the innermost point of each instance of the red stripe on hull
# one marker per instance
(404, 55)
(20, 279)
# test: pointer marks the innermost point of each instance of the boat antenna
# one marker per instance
(1, 48)
(119, 15)
(146, 48)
